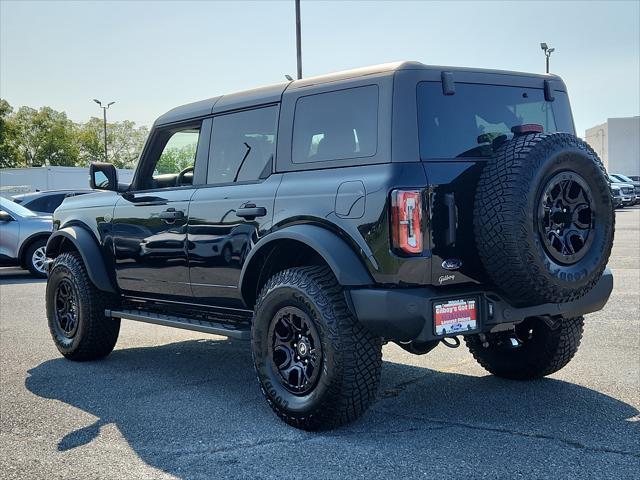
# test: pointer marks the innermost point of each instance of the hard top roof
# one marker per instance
(273, 93)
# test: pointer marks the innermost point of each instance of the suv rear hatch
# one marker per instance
(459, 126)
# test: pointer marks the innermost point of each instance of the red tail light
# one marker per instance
(406, 220)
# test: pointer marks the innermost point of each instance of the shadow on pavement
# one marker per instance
(194, 408)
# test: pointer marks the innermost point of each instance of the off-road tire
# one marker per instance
(547, 351)
(351, 356)
(96, 335)
(28, 258)
(508, 238)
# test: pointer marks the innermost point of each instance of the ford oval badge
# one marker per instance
(452, 264)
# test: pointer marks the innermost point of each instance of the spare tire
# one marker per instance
(543, 218)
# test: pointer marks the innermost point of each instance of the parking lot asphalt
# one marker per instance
(174, 404)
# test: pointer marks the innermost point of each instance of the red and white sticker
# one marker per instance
(455, 316)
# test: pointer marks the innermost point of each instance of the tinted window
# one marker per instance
(336, 125)
(47, 203)
(242, 146)
(466, 123)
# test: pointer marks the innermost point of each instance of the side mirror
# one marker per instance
(103, 176)
(5, 216)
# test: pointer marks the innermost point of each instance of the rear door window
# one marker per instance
(466, 123)
(336, 125)
(242, 146)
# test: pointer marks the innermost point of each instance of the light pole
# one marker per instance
(298, 40)
(104, 116)
(547, 52)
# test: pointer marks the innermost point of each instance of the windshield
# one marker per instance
(467, 123)
(13, 207)
(622, 178)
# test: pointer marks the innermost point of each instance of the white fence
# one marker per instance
(24, 180)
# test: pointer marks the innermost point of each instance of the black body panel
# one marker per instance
(219, 240)
(202, 244)
(150, 251)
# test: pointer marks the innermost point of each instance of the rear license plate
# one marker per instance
(455, 316)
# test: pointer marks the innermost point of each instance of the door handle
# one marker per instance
(249, 211)
(170, 215)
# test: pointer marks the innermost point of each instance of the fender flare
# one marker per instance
(345, 263)
(86, 244)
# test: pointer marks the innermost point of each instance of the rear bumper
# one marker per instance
(407, 314)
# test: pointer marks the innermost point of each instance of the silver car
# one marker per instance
(23, 237)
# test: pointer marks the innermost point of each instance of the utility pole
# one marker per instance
(298, 40)
(547, 53)
(104, 116)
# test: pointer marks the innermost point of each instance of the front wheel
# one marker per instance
(75, 311)
(317, 366)
(533, 350)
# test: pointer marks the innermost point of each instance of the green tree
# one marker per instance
(124, 142)
(45, 137)
(33, 138)
(90, 142)
(176, 159)
(9, 156)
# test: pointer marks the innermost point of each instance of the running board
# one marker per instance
(195, 324)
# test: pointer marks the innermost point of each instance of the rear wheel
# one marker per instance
(317, 366)
(35, 258)
(75, 311)
(534, 349)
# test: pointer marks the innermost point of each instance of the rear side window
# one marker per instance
(336, 125)
(242, 146)
(466, 123)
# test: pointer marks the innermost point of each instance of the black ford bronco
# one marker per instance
(323, 217)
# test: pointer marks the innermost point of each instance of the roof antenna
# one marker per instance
(288, 77)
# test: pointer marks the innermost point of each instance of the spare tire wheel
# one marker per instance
(543, 218)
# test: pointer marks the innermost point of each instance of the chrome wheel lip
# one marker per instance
(566, 218)
(295, 350)
(39, 259)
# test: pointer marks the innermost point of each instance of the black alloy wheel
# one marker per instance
(295, 350)
(76, 311)
(318, 367)
(566, 217)
(66, 308)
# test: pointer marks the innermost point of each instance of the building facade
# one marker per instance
(617, 142)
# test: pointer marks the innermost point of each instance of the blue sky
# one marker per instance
(149, 56)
